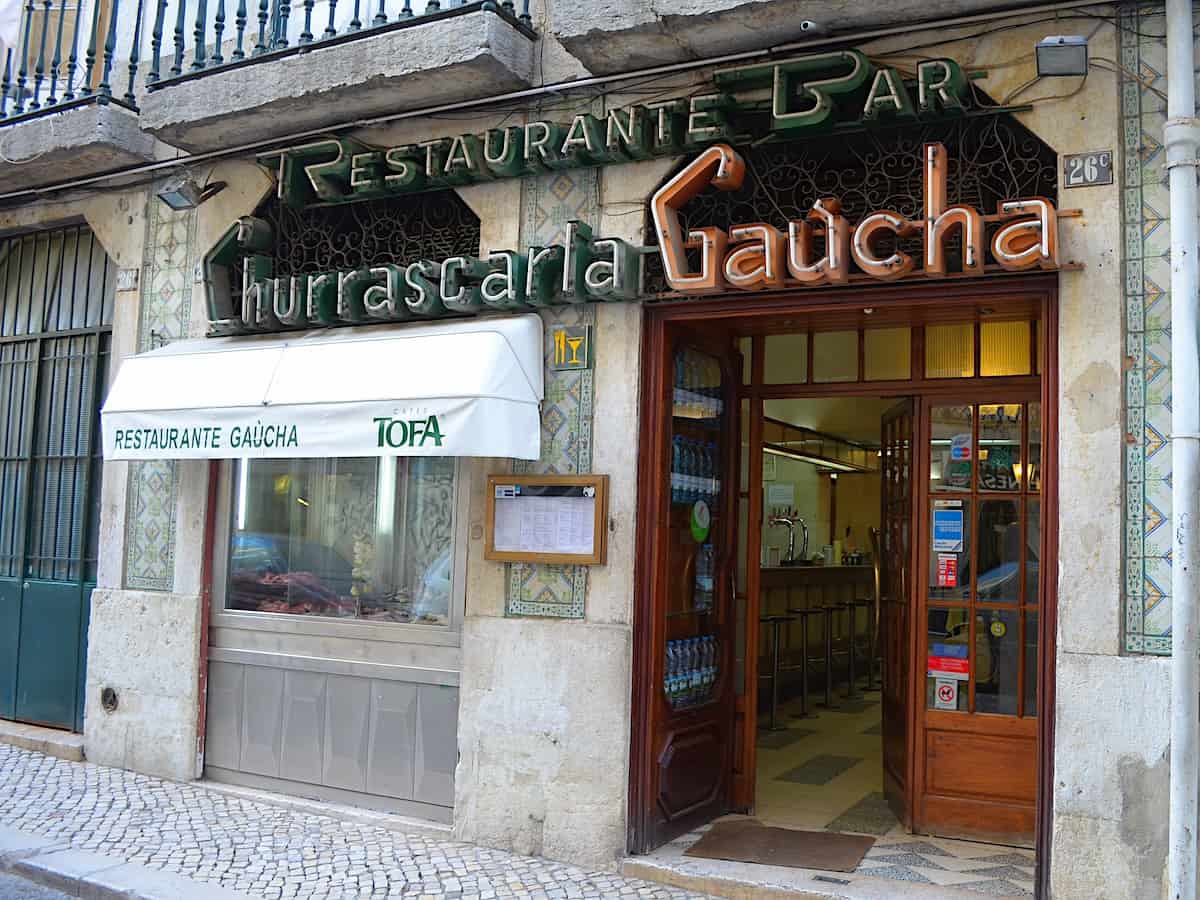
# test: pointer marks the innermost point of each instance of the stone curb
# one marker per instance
(51, 741)
(93, 876)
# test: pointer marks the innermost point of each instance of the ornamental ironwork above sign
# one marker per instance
(789, 99)
(815, 249)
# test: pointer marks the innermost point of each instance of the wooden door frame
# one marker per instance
(923, 302)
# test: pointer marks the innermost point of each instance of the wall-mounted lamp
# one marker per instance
(182, 192)
(1062, 54)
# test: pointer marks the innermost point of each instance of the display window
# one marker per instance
(370, 539)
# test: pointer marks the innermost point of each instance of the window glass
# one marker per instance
(364, 538)
(746, 348)
(786, 359)
(948, 662)
(999, 551)
(1031, 664)
(1034, 455)
(887, 354)
(950, 351)
(1000, 465)
(1033, 543)
(950, 448)
(997, 661)
(950, 553)
(1004, 348)
(835, 356)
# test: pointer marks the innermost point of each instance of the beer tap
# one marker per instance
(790, 521)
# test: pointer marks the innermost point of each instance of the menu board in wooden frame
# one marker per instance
(556, 519)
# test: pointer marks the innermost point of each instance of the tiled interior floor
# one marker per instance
(827, 773)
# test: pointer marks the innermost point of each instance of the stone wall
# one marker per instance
(145, 634)
(545, 701)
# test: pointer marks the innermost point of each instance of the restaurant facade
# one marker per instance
(437, 464)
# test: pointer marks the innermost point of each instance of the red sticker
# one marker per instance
(947, 570)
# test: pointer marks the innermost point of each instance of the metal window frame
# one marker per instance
(93, 368)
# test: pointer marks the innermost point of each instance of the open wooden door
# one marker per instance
(982, 591)
(694, 542)
(895, 607)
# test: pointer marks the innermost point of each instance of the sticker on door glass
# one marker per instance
(948, 661)
(948, 531)
(701, 521)
(945, 694)
(947, 570)
(960, 447)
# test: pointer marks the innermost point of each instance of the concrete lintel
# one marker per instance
(75, 143)
(629, 34)
(438, 62)
(50, 741)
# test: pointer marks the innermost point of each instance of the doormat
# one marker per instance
(745, 840)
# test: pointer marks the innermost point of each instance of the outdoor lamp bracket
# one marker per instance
(1062, 54)
(182, 192)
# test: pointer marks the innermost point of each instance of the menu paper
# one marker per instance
(527, 524)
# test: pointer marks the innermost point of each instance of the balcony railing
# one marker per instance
(72, 52)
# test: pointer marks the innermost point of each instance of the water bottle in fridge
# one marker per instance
(714, 473)
(676, 469)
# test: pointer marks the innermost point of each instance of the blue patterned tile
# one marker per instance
(1147, 277)
(164, 313)
(548, 203)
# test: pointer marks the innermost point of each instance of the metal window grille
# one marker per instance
(58, 289)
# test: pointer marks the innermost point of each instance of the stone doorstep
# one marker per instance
(63, 744)
(94, 876)
(748, 881)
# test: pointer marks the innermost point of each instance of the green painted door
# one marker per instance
(56, 299)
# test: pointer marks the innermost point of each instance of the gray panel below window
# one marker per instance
(347, 711)
(262, 702)
(374, 737)
(303, 725)
(391, 750)
(408, 674)
(223, 742)
(437, 744)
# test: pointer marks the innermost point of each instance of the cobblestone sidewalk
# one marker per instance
(267, 851)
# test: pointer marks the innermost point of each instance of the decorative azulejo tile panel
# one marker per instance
(166, 304)
(1147, 244)
(548, 203)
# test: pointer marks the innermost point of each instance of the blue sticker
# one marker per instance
(948, 531)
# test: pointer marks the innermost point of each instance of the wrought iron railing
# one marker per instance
(71, 52)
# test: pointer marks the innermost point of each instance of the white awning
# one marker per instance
(462, 388)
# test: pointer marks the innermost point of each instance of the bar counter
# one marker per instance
(812, 587)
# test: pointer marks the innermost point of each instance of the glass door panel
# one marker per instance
(693, 653)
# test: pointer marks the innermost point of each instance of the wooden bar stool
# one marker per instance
(852, 607)
(828, 612)
(803, 615)
(776, 622)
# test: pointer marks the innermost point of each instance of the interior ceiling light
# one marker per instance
(818, 461)
(182, 192)
(1062, 54)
